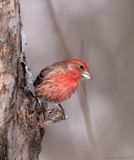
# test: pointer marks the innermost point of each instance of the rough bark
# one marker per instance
(22, 120)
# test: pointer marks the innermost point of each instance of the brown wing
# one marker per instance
(42, 75)
(46, 71)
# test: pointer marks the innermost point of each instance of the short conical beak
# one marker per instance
(86, 75)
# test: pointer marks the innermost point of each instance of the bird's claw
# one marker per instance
(63, 112)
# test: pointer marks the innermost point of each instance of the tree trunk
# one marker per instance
(22, 120)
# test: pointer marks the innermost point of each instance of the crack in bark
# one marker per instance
(22, 118)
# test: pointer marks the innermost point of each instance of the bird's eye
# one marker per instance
(82, 67)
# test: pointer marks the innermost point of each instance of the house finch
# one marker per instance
(56, 83)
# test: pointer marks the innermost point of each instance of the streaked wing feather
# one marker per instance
(42, 74)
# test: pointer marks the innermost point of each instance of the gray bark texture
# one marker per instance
(22, 120)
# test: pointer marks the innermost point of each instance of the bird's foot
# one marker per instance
(63, 112)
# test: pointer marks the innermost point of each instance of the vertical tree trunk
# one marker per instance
(21, 125)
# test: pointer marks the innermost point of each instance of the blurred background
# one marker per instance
(101, 113)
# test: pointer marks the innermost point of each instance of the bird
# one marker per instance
(56, 83)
